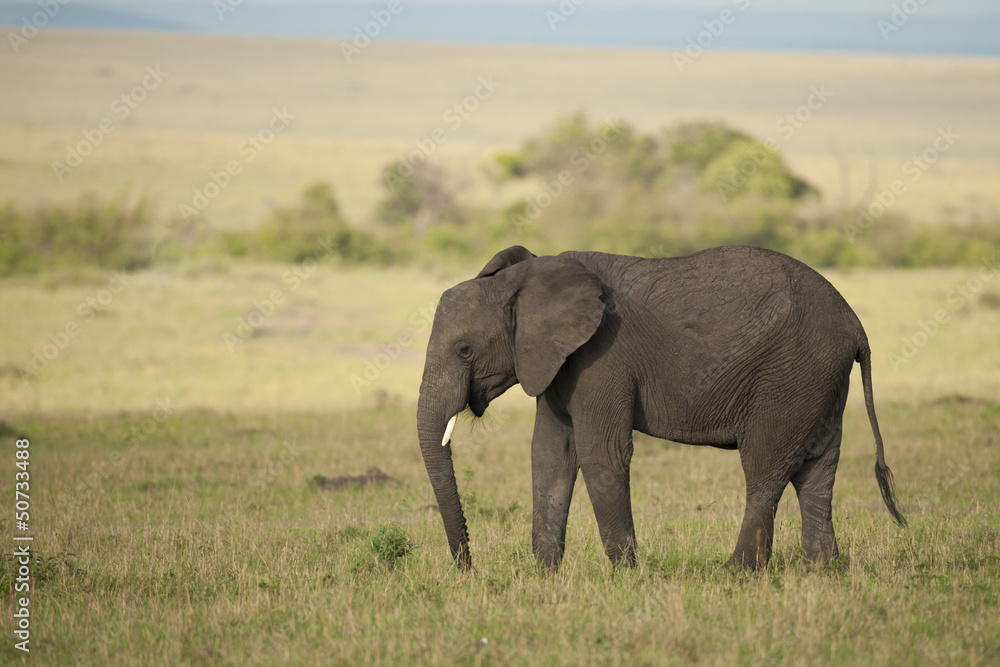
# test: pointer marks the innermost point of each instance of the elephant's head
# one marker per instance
(516, 322)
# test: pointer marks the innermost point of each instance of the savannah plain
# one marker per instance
(196, 501)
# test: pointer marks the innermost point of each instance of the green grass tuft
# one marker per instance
(390, 544)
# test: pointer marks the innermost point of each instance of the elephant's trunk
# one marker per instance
(434, 422)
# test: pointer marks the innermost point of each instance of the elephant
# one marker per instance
(733, 347)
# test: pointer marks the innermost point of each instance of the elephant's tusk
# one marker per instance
(448, 430)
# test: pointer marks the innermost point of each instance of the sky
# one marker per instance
(959, 27)
(870, 7)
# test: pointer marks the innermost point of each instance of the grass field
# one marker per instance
(178, 519)
(209, 542)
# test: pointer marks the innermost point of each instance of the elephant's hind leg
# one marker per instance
(814, 486)
(753, 548)
(768, 467)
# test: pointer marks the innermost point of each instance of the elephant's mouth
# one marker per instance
(482, 392)
(478, 405)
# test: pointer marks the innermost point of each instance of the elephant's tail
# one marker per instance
(882, 473)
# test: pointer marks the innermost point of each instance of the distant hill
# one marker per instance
(513, 24)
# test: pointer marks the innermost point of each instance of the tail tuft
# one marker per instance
(888, 488)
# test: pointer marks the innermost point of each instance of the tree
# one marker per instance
(417, 198)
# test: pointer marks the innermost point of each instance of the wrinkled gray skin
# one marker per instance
(733, 347)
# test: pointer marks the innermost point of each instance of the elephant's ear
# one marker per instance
(557, 308)
(509, 257)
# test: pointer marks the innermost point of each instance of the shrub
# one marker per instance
(749, 168)
(418, 200)
(389, 544)
(617, 189)
(699, 144)
(312, 228)
(108, 235)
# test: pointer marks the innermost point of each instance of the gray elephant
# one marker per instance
(733, 347)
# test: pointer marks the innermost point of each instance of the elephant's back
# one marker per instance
(731, 298)
(725, 292)
(748, 284)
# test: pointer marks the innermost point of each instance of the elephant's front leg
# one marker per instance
(604, 460)
(553, 474)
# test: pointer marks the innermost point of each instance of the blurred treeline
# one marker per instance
(606, 187)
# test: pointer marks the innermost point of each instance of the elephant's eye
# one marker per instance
(463, 349)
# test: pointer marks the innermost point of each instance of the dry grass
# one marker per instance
(208, 543)
(353, 118)
(164, 336)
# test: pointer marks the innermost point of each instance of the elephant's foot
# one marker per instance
(820, 548)
(548, 556)
(752, 554)
(748, 562)
(623, 556)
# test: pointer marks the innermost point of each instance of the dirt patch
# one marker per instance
(13, 371)
(374, 477)
(990, 300)
(957, 399)
(7, 431)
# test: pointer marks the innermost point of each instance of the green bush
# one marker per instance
(699, 144)
(697, 185)
(107, 235)
(613, 188)
(749, 168)
(312, 229)
(508, 166)
(424, 221)
(389, 544)
(417, 199)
